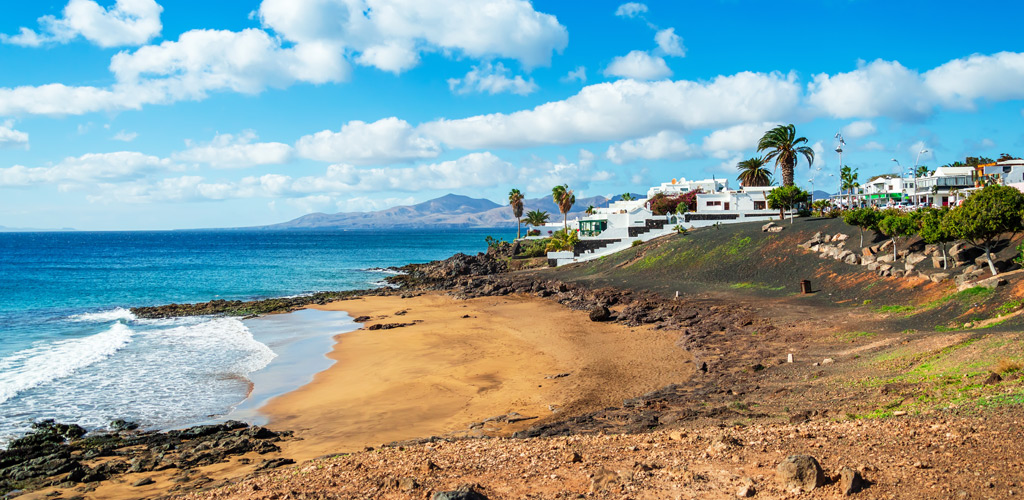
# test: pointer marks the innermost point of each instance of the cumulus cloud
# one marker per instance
(665, 145)
(390, 34)
(315, 41)
(638, 65)
(580, 74)
(670, 43)
(873, 146)
(728, 142)
(125, 136)
(368, 204)
(86, 168)
(631, 9)
(235, 151)
(11, 138)
(540, 175)
(384, 141)
(492, 79)
(127, 22)
(887, 88)
(626, 109)
(859, 129)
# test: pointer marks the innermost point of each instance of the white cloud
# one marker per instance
(390, 34)
(669, 43)
(916, 148)
(311, 204)
(540, 175)
(631, 9)
(960, 82)
(626, 109)
(820, 161)
(383, 141)
(873, 146)
(125, 136)
(367, 204)
(9, 137)
(86, 168)
(638, 65)
(235, 151)
(728, 142)
(492, 79)
(887, 88)
(580, 74)
(665, 145)
(879, 88)
(127, 22)
(858, 129)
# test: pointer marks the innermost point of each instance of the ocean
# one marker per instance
(71, 350)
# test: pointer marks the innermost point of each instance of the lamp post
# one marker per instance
(839, 149)
(901, 177)
(916, 160)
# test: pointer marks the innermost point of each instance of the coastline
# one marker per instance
(445, 374)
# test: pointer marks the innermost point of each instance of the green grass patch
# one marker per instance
(755, 286)
(852, 336)
(894, 309)
(1010, 307)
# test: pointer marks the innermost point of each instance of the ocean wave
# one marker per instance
(226, 345)
(36, 365)
(119, 313)
(384, 270)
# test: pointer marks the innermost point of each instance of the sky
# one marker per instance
(169, 114)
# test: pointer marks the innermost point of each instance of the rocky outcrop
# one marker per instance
(800, 473)
(251, 307)
(58, 454)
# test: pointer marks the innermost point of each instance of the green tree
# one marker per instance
(986, 216)
(753, 173)
(515, 200)
(590, 210)
(627, 197)
(786, 198)
(564, 198)
(933, 226)
(921, 171)
(784, 147)
(862, 218)
(536, 218)
(848, 182)
(897, 226)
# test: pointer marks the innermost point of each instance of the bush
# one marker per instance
(533, 232)
(529, 249)
(562, 241)
(637, 243)
(661, 204)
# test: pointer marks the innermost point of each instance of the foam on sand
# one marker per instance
(117, 314)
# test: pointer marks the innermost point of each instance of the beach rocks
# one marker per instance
(800, 472)
(600, 313)
(850, 481)
(464, 492)
(67, 452)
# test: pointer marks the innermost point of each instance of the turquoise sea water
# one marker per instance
(71, 350)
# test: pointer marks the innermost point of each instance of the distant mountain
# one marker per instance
(820, 195)
(448, 211)
(5, 229)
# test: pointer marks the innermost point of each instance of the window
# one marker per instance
(760, 205)
(714, 203)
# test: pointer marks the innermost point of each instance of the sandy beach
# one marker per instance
(463, 361)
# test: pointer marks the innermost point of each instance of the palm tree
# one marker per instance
(753, 173)
(590, 210)
(563, 197)
(627, 197)
(784, 147)
(515, 200)
(536, 218)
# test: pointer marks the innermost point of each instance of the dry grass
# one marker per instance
(1007, 365)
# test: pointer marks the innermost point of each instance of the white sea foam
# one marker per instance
(384, 271)
(104, 316)
(49, 361)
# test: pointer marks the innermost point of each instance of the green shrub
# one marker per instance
(637, 243)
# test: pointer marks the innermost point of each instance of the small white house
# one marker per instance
(683, 186)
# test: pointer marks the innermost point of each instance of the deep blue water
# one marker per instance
(69, 349)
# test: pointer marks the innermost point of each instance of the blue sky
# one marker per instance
(142, 114)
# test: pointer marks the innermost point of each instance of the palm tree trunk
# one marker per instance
(787, 175)
(565, 221)
(519, 225)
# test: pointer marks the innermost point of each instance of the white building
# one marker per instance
(683, 186)
(1007, 171)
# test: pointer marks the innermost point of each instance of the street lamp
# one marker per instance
(901, 177)
(839, 149)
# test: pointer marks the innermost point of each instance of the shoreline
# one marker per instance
(445, 373)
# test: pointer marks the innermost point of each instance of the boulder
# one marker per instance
(464, 492)
(850, 481)
(867, 252)
(776, 229)
(909, 267)
(937, 261)
(867, 259)
(600, 313)
(143, 482)
(885, 246)
(886, 257)
(915, 258)
(872, 266)
(767, 226)
(840, 237)
(852, 258)
(800, 472)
